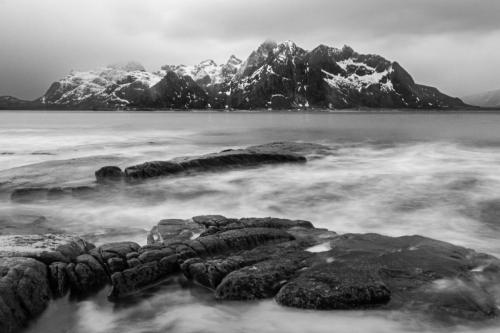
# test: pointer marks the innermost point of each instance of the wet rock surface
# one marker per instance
(273, 153)
(253, 258)
(24, 291)
(110, 178)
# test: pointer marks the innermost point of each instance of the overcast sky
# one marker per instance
(451, 44)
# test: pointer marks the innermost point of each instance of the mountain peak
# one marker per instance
(234, 60)
(129, 66)
(288, 44)
(208, 62)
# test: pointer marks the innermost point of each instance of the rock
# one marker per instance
(255, 258)
(24, 291)
(47, 248)
(86, 275)
(173, 230)
(31, 194)
(254, 156)
(261, 280)
(58, 279)
(300, 148)
(211, 220)
(109, 174)
(25, 195)
(227, 159)
(116, 250)
(158, 261)
(84, 192)
(133, 279)
(252, 222)
(209, 272)
(333, 287)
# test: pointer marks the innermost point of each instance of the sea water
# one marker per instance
(393, 173)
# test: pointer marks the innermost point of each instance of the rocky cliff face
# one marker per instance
(274, 76)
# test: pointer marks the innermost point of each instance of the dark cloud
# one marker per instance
(452, 44)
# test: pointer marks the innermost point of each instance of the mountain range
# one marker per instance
(490, 99)
(274, 76)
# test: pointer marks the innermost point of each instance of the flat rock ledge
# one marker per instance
(253, 258)
(230, 159)
(254, 156)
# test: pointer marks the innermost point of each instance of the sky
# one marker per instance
(451, 44)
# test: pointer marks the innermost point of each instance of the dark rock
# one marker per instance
(173, 230)
(86, 275)
(299, 148)
(262, 280)
(116, 264)
(58, 279)
(31, 194)
(252, 222)
(25, 195)
(84, 192)
(227, 159)
(24, 292)
(335, 286)
(47, 248)
(133, 279)
(56, 193)
(254, 258)
(212, 220)
(116, 250)
(109, 174)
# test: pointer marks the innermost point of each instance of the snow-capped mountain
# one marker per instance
(488, 99)
(207, 72)
(287, 76)
(274, 76)
(113, 86)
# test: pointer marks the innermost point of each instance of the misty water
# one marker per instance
(433, 174)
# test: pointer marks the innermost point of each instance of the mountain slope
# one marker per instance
(487, 99)
(13, 103)
(114, 86)
(274, 76)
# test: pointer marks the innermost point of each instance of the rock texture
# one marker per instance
(24, 291)
(305, 267)
(274, 153)
(33, 269)
(253, 258)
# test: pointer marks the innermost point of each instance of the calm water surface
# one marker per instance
(432, 174)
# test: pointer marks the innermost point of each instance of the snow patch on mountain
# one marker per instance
(359, 76)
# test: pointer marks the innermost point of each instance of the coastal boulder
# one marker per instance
(109, 174)
(24, 291)
(47, 248)
(334, 287)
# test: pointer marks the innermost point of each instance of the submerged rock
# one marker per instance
(273, 153)
(227, 159)
(109, 174)
(31, 194)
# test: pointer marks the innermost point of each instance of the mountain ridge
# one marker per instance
(490, 99)
(274, 76)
